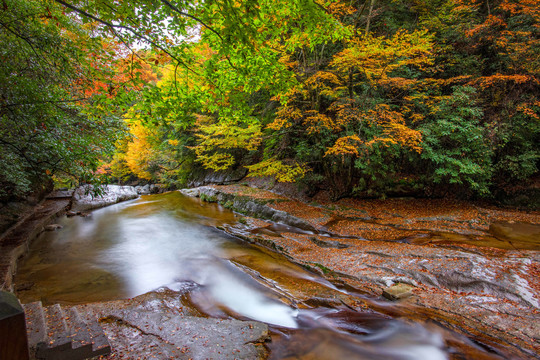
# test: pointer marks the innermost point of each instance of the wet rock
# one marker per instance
(519, 232)
(323, 302)
(24, 286)
(398, 291)
(152, 332)
(491, 279)
(259, 208)
(190, 192)
(328, 243)
(199, 337)
(52, 227)
(71, 213)
(60, 194)
(142, 190)
(206, 177)
(85, 199)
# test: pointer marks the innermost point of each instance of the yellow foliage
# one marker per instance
(139, 151)
(276, 168)
(316, 122)
(286, 60)
(325, 82)
(216, 161)
(216, 139)
(377, 57)
(225, 135)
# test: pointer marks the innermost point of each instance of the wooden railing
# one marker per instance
(13, 340)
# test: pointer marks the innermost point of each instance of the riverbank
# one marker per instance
(158, 324)
(21, 223)
(474, 269)
(15, 241)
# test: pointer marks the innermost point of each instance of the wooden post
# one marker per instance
(13, 338)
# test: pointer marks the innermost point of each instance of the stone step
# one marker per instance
(80, 333)
(100, 342)
(35, 325)
(56, 333)
(87, 334)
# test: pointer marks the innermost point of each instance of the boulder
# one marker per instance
(84, 197)
(206, 177)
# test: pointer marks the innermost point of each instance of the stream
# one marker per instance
(171, 240)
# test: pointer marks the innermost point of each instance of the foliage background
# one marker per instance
(362, 98)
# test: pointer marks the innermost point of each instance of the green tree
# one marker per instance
(48, 126)
(455, 144)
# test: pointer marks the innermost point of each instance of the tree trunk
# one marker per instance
(370, 12)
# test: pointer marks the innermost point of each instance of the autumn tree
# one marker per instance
(359, 97)
(47, 126)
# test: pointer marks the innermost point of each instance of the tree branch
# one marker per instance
(43, 102)
(113, 28)
(174, 8)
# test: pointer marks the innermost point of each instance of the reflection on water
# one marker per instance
(169, 240)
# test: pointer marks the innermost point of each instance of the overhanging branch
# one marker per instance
(114, 28)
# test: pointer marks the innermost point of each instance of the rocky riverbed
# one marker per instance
(469, 268)
(161, 325)
(472, 268)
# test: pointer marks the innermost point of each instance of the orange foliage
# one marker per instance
(346, 145)
(128, 73)
(316, 122)
(498, 79)
(340, 8)
(525, 109)
(484, 28)
(286, 116)
(394, 129)
(346, 112)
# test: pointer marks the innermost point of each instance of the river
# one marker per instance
(171, 240)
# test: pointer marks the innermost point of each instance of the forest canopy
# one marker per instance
(361, 98)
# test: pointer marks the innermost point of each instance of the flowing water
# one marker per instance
(171, 240)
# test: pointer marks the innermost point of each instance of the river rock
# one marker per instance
(52, 227)
(259, 208)
(398, 291)
(190, 192)
(71, 213)
(189, 336)
(161, 325)
(84, 199)
(147, 189)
